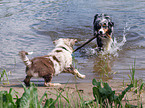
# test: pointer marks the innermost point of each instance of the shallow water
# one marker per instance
(32, 25)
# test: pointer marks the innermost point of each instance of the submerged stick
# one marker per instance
(85, 43)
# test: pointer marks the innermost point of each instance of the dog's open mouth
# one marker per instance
(105, 35)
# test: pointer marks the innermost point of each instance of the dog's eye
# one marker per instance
(104, 25)
(98, 26)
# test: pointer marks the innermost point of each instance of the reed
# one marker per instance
(137, 83)
(4, 75)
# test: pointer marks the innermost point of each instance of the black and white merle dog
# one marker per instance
(103, 29)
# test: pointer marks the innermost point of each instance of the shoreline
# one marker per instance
(73, 88)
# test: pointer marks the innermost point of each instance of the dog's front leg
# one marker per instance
(27, 80)
(48, 79)
(74, 71)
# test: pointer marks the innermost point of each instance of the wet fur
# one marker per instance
(103, 29)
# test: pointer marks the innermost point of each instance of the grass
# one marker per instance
(29, 99)
(137, 84)
(4, 75)
(104, 96)
(67, 100)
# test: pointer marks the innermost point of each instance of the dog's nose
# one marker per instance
(100, 32)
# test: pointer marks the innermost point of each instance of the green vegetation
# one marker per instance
(137, 84)
(3, 74)
(29, 99)
(70, 101)
(104, 96)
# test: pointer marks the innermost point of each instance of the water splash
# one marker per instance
(118, 45)
(114, 45)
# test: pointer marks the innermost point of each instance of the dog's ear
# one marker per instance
(95, 17)
(73, 41)
(111, 24)
(54, 42)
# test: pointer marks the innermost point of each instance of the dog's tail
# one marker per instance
(24, 58)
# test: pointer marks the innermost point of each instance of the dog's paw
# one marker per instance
(79, 75)
(82, 76)
(52, 84)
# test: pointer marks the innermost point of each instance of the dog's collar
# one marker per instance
(64, 48)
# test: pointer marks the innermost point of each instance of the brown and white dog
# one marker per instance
(103, 29)
(57, 61)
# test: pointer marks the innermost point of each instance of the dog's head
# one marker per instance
(103, 28)
(65, 42)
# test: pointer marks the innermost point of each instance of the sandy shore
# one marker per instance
(85, 89)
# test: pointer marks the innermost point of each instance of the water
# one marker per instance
(33, 25)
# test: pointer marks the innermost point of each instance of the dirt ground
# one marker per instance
(85, 89)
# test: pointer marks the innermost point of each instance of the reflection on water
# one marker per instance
(102, 66)
(33, 25)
